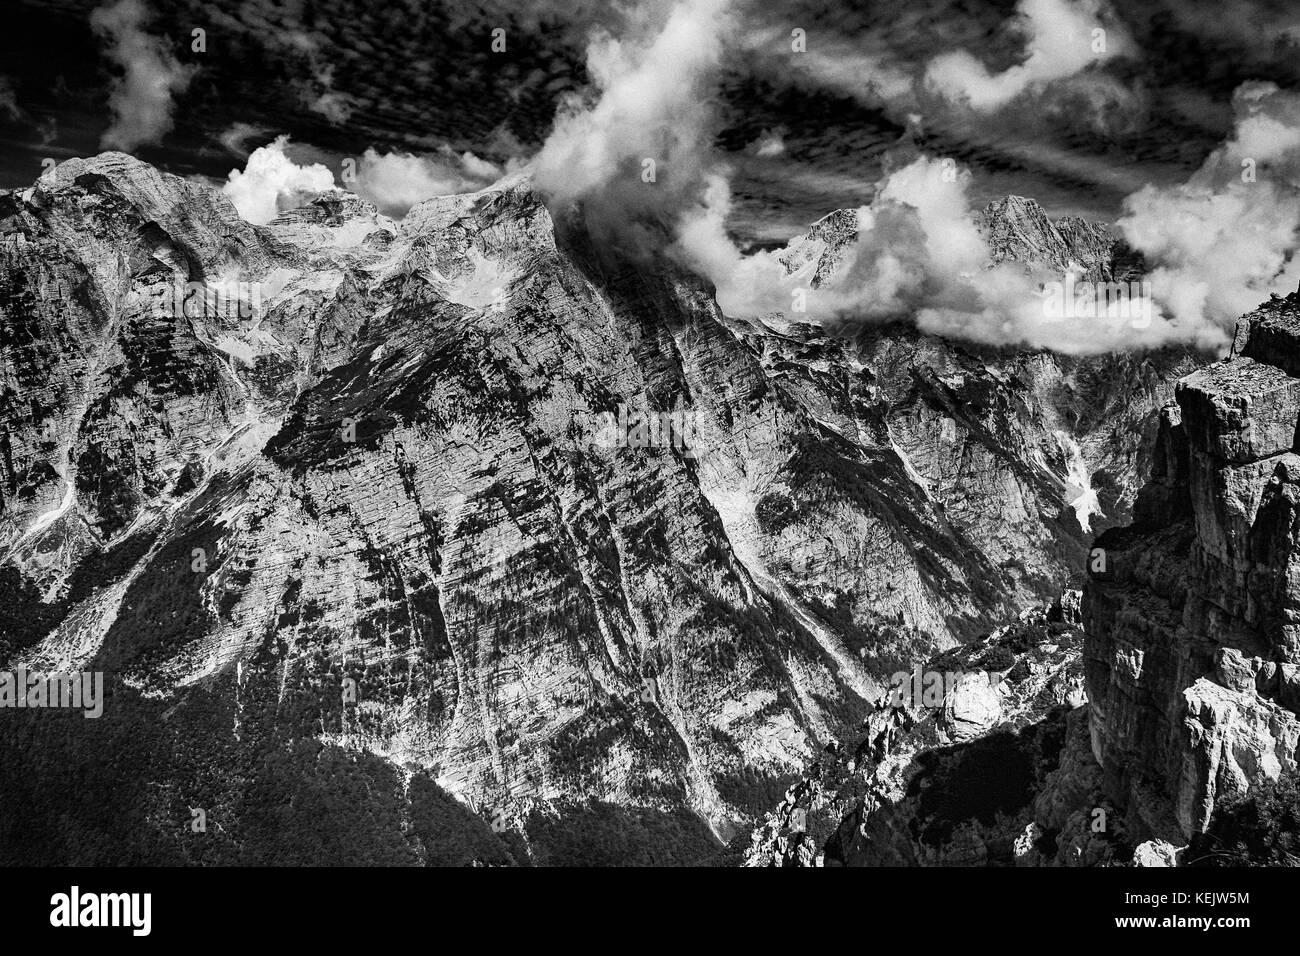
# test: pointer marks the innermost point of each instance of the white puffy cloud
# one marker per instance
(1222, 242)
(395, 182)
(1061, 40)
(641, 151)
(141, 99)
(918, 256)
(271, 182)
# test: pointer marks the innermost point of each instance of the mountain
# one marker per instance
(374, 573)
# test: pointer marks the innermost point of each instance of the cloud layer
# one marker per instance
(634, 157)
(918, 252)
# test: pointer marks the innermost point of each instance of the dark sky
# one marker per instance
(341, 76)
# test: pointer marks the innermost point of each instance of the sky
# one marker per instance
(768, 115)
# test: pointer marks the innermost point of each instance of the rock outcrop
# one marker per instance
(1191, 611)
(992, 768)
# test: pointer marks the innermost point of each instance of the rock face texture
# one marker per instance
(995, 770)
(368, 585)
(1193, 649)
(1018, 230)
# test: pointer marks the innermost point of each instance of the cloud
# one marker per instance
(235, 137)
(271, 182)
(640, 151)
(141, 98)
(1096, 103)
(397, 181)
(1062, 38)
(1243, 21)
(313, 53)
(769, 143)
(846, 67)
(1226, 239)
(333, 105)
(8, 101)
(918, 255)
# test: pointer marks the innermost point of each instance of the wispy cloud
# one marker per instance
(235, 137)
(141, 99)
(1062, 38)
(8, 99)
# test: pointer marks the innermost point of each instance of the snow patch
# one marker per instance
(908, 467)
(54, 514)
(482, 287)
(1078, 483)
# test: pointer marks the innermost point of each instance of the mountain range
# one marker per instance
(370, 579)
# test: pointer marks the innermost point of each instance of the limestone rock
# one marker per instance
(1158, 853)
(1192, 651)
(972, 707)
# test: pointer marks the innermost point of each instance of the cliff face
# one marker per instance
(1193, 647)
(363, 514)
(991, 767)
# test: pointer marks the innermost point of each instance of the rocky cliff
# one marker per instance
(1192, 655)
(957, 766)
(370, 581)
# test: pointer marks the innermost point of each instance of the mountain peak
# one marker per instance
(1018, 229)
